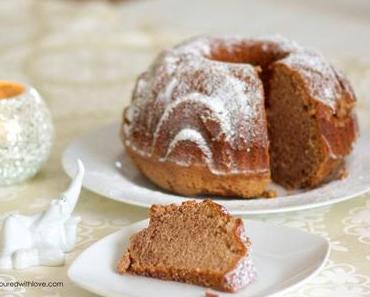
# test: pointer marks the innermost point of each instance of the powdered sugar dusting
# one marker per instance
(216, 107)
(194, 137)
(244, 274)
(319, 76)
(318, 73)
(185, 95)
(168, 90)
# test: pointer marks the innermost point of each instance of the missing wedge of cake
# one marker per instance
(221, 115)
(195, 242)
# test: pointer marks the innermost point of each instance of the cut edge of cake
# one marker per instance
(240, 270)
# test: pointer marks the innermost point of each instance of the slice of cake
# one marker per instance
(197, 243)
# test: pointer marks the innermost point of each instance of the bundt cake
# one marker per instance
(197, 243)
(223, 116)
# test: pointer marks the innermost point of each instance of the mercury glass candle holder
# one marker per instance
(26, 132)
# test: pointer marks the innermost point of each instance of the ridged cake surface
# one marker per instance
(200, 108)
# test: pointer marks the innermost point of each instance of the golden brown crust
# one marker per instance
(124, 263)
(330, 134)
(338, 132)
(202, 278)
(211, 294)
(178, 117)
(198, 180)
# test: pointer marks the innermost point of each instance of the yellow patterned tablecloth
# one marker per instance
(83, 58)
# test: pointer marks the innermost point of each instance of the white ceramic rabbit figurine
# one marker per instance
(43, 238)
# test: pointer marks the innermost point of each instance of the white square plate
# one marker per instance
(284, 257)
